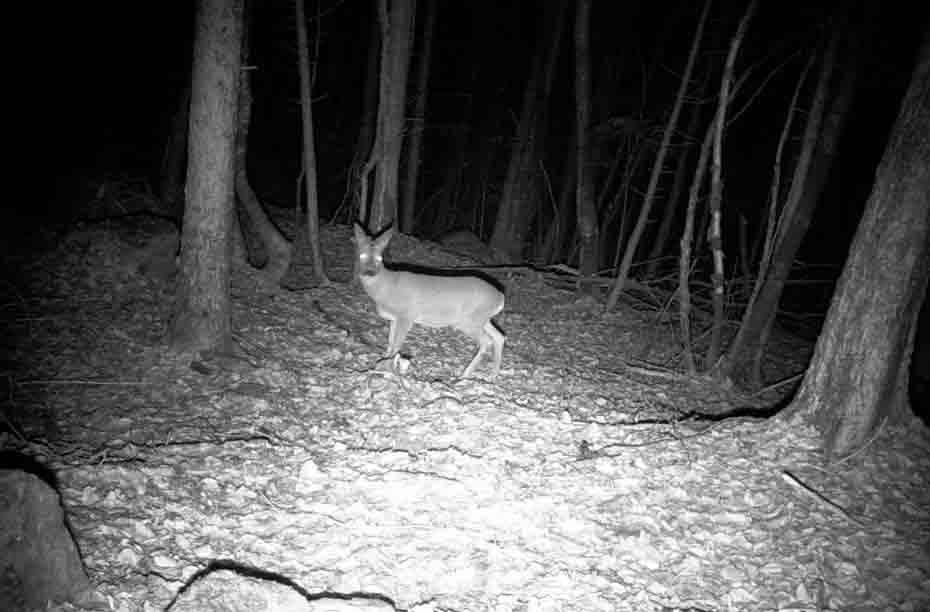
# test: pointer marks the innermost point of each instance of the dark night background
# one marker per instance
(109, 79)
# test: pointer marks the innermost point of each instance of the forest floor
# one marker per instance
(575, 481)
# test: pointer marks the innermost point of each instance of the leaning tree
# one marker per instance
(859, 374)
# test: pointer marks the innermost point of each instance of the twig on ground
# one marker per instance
(811, 493)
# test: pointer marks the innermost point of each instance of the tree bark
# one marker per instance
(415, 143)
(201, 317)
(768, 224)
(715, 231)
(744, 359)
(367, 121)
(858, 377)
(259, 231)
(397, 17)
(684, 245)
(309, 150)
(584, 186)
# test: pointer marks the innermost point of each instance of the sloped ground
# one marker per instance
(568, 483)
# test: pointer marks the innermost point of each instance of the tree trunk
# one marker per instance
(859, 376)
(268, 248)
(678, 184)
(584, 186)
(919, 377)
(171, 188)
(246, 246)
(635, 151)
(415, 143)
(397, 17)
(558, 228)
(684, 245)
(520, 191)
(309, 150)
(768, 224)
(744, 359)
(657, 167)
(367, 121)
(201, 317)
(715, 231)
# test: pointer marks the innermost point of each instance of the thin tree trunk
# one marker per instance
(271, 250)
(809, 141)
(633, 242)
(637, 153)
(687, 239)
(397, 18)
(415, 144)
(554, 240)
(744, 359)
(201, 317)
(309, 150)
(584, 186)
(715, 233)
(745, 265)
(367, 121)
(775, 189)
(246, 241)
(608, 88)
(858, 377)
(678, 184)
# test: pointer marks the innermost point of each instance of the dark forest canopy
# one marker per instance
(108, 82)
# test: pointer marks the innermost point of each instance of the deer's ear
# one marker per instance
(384, 238)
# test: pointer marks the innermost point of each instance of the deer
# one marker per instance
(467, 303)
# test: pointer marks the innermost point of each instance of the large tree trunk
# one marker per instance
(744, 359)
(397, 17)
(520, 192)
(584, 186)
(201, 318)
(415, 143)
(919, 383)
(858, 377)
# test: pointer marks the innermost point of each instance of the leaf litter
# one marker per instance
(576, 480)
